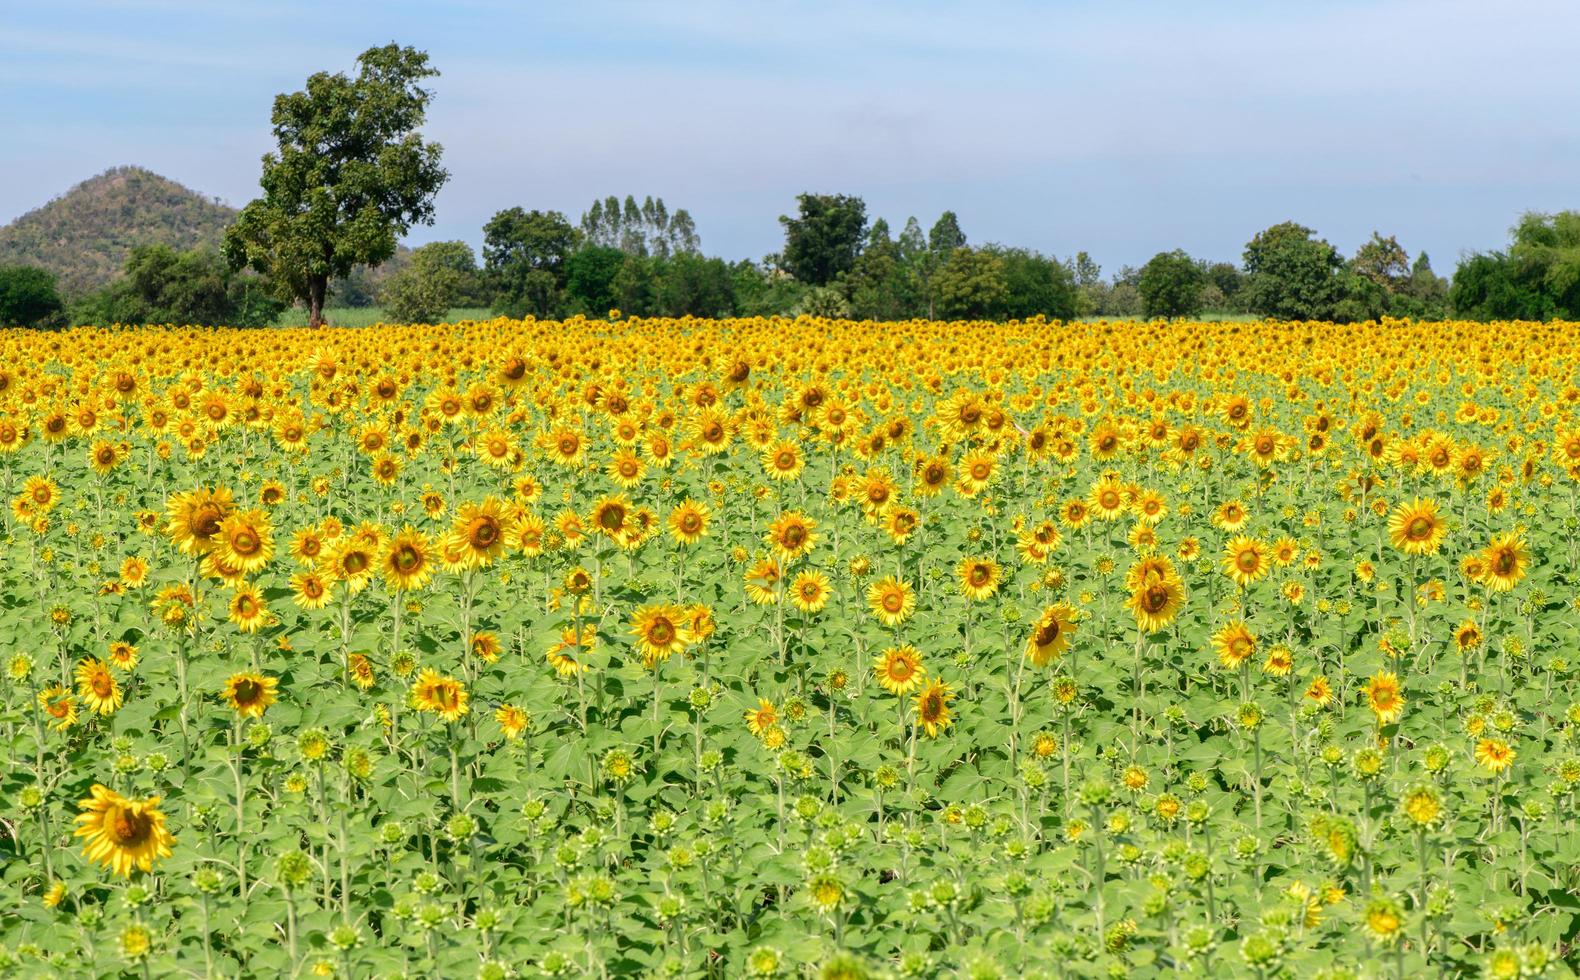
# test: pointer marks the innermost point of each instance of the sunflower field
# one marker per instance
(773, 648)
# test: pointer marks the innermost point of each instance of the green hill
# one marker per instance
(84, 235)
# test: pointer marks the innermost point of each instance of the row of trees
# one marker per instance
(351, 175)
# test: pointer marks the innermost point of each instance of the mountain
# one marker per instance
(84, 235)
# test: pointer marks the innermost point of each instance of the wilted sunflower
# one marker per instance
(899, 669)
(250, 694)
(932, 708)
(121, 833)
(891, 600)
(97, 686)
(1415, 528)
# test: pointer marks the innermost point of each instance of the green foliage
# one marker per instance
(971, 284)
(194, 287)
(1035, 285)
(590, 276)
(1492, 286)
(691, 285)
(822, 242)
(27, 296)
(1292, 275)
(524, 257)
(85, 235)
(1171, 285)
(646, 229)
(350, 175)
(440, 275)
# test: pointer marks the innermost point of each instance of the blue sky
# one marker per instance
(1120, 128)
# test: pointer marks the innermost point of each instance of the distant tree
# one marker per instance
(1227, 278)
(1086, 271)
(823, 301)
(1382, 261)
(1292, 275)
(1035, 285)
(764, 289)
(946, 235)
(1492, 286)
(1171, 285)
(635, 286)
(649, 228)
(825, 237)
(350, 176)
(691, 285)
(590, 275)
(970, 285)
(1546, 250)
(524, 254)
(439, 276)
(162, 285)
(1424, 295)
(27, 296)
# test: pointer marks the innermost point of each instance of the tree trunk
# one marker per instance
(316, 289)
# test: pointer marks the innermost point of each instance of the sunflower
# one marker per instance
(791, 536)
(1051, 634)
(660, 631)
(512, 720)
(97, 686)
(891, 600)
(1107, 499)
(478, 534)
(485, 646)
(250, 694)
(1319, 692)
(1156, 600)
(626, 469)
(810, 591)
(408, 563)
(360, 669)
(245, 540)
(246, 608)
(899, 523)
(527, 535)
(1245, 560)
(1230, 516)
(123, 655)
(444, 696)
(566, 663)
(783, 461)
(932, 708)
(134, 572)
(899, 669)
(194, 519)
(1504, 562)
(979, 577)
(1235, 644)
(60, 705)
(310, 590)
(1415, 528)
(762, 717)
(611, 517)
(689, 522)
(41, 494)
(122, 833)
(1494, 755)
(1384, 697)
(932, 475)
(1467, 636)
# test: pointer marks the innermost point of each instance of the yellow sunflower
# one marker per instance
(891, 600)
(1415, 528)
(899, 669)
(121, 833)
(1051, 634)
(250, 694)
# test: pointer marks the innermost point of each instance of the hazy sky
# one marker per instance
(1121, 128)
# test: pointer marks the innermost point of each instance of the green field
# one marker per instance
(366, 316)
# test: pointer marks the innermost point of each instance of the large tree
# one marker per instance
(1171, 285)
(823, 240)
(27, 295)
(349, 177)
(524, 254)
(162, 285)
(1292, 274)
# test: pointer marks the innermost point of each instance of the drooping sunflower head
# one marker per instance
(1051, 634)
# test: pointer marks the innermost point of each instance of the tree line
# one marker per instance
(351, 175)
